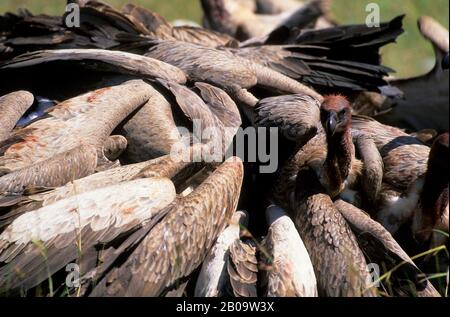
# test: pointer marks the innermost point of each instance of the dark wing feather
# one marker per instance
(116, 61)
(342, 58)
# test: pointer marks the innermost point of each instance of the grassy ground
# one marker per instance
(412, 55)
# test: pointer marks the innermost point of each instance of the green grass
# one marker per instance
(411, 55)
(171, 9)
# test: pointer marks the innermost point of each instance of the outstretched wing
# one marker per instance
(39, 243)
(177, 245)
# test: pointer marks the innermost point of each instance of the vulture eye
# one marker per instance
(342, 115)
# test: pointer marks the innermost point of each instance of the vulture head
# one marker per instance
(434, 197)
(336, 118)
(335, 115)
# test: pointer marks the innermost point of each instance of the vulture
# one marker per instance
(223, 68)
(40, 242)
(68, 143)
(432, 208)
(208, 108)
(413, 201)
(409, 176)
(322, 139)
(122, 152)
(339, 263)
(378, 246)
(305, 187)
(312, 57)
(242, 267)
(115, 204)
(169, 104)
(237, 263)
(168, 252)
(12, 206)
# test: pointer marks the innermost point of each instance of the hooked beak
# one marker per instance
(331, 123)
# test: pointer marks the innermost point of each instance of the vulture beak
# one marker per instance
(331, 123)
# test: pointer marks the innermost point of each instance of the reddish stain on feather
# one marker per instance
(96, 94)
(128, 210)
(64, 104)
(26, 141)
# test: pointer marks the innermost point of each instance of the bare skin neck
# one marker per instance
(338, 162)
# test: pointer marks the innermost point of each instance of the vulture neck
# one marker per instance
(339, 160)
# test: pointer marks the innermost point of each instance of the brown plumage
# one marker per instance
(380, 247)
(404, 157)
(73, 224)
(330, 152)
(161, 29)
(371, 180)
(12, 108)
(339, 264)
(56, 171)
(222, 68)
(63, 237)
(88, 119)
(297, 116)
(404, 164)
(145, 229)
(178, 244)
(171, 106)
(314, 58)
(12, 206)
(101, 26)
(114, 147)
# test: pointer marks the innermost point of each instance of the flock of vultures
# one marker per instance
(95, 202)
